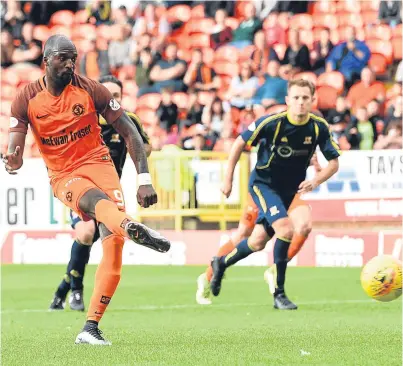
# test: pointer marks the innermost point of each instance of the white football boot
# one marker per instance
(203, 290)
(270, 276)
(91, 334)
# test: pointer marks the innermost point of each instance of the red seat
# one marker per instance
(381, 47)
(199, 41)
(226, 68)
(325, 21)
(307, 75)
(378, 63)
(326, 96)
(41, 32)
(8, 91)
(397, 48)
(370, 17)
(199, 26)
(397, 31)
(323, 7)
(9, 77)
(151, 101)
(62, 17)
(335, 79)
(226, 53)
(81, 16)
(179, 12)
(197, 12)
(302, 21)
(147, 116)
(380, 31)
(181, 100)
(350, 19)
(60, 29)
(84, 31)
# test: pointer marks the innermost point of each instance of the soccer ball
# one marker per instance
(381, 278)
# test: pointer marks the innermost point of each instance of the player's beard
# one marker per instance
(65, 78)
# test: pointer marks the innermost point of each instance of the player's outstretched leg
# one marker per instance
(107, 279)
(256, 242)
(97, 205)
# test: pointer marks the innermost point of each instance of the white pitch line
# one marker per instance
(195, 306)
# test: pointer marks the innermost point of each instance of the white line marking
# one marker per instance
(196, 306)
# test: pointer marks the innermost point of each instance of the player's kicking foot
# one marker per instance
(147, 237)
(57, 303)
(218, 274)
(203, 290)
(270, 276)
(76, 300)
(91, 334)
(282, 302)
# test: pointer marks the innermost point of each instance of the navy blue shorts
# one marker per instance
(74, 219)
(273, 205)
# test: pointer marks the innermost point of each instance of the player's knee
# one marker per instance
(85, 233)
(89, 200)
(304, 229)
(284, 229)
(257, 242)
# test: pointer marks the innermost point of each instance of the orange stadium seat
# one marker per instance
(199, 41)
(246, 53)
(8, 91)
(41, 32)
(370, 5)
(240, 9)
(199, 26)
(339, 35)
(60, 29)
(380, 31)
(276, 109)
(325, 21)
(303, 21)
(84, 31)
(324, 6)
(326, 96)
(208, 56)
(348, 6)
(232, 22)
(185, 54)
(370, 17)
(381, 47)
(127, 72)
(205, 98)
(129, 103)
(5, 107)
(307, 75)
(130, 87)
(335, 79)
(81, 16)
(397, 48)
(62, 17)
(197, 12)
(180, 99)
(259, 110)
(151, 101)
(104, 31)
(147, 116)
(284, 20)
(350, 19)
(179, 12)
(378, 63)
(226, 53)
(9, 77)
(397, 31)
(226, 68)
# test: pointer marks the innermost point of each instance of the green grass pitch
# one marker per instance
(154, 320)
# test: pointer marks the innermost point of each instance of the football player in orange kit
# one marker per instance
(62, 109)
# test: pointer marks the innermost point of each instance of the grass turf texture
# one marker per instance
(154, 320)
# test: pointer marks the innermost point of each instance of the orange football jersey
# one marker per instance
(66, 127)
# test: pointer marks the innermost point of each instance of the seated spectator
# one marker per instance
(349, 57)
(120, 16)
(212, 7)
(338, 118)
(243, 87)
(262, 54)
(361, 93)
(275, 33)
(296, 57)
(7, 48)
(321, 51)
(361, 134)
(119, 48)
(264, 7)
(143, 70)
(226, 141)
(220, 33)
(392, 138)
(199, 76)
(395, 112)
(243, 35)
(167, 112)
(246, 119)
(170, 71)
(99, 12)
(142, 42)
(158, 28)
(94, 63)
(214, 116)
(199, 138)
(390, 12)
(274, 88)
(29, 50)
(195, 110)
(14, 19)
(374, 115)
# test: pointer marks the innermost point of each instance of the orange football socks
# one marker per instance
(297, 242)
(225, 249)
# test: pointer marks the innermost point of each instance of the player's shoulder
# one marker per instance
(269, 119)
(85, 83)
(29, 91)
(320, 120)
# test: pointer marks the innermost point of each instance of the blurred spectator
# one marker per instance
(264, 7)
(338, 118)
(94, 63)
(274, 88)
(199, 76)
(195, 110)
(243, 87)
(212, 7)
(392, 138)
(14, 18)
(360, 133)
(321, 51)
(361, 93)
(119, 47)
(169, 72)
(167, 112)
(243, 35)
(142, 42)
(399, 72)
(158, 28)
(7, 48)
(262, 54)
(349, 57)
(226, 141)
(246, 118)
(30, 49)
(120, 16)
(395, 112)
(296, 57)
(99, 12)
(143, 69)
(390, 12)
(220, 33)
(292, 7)
(374, 115)
(214, 116)
(275, 33)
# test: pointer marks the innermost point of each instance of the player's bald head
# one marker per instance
(56, 43)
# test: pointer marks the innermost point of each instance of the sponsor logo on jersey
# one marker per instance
(13, 122)
(78, 109)
(114, 104)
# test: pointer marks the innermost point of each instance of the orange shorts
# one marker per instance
(251, 211)
(94, 174)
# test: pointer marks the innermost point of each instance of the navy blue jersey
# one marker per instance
(286, 148)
